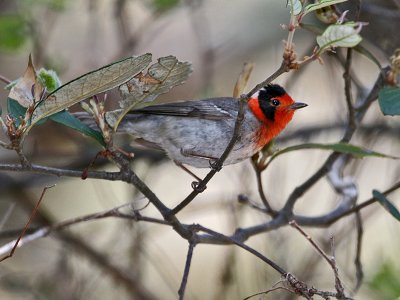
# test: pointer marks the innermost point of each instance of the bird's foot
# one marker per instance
(215, 165)
(196, 186)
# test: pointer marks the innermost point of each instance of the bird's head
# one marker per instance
(273, 106)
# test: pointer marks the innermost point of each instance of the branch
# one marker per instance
(298, 286)
(185, 276)
(363, 106)
(33, 213)
(331, 260)
(4, 79)
(357, 260)
(258, 170)
(47, 230)
(339, 213)
(347, 88)
(269, 291)
(232, 240)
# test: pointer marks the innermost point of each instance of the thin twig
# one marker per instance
(185, 276)
(46, 230)
(283, 68)
(357, 260)
(327, 165)
(241, 234)
(334, 216)
(243, 199)
(33, 213)
(268, 208)
(269, 291)
(231, 240)
(331, 260)
(347, 88)
(4, 79)
(299, 287)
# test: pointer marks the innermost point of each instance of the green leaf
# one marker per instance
(320, 4)
(15, 110)
(386, 204)
(161, 77)
(353, 150)
(340, 35)
(90, 84)
(65, 118)
(13, 33)
(49, 79)
(389, 100)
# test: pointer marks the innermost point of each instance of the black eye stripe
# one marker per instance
(268, 109)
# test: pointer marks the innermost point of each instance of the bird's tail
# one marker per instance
(124, 127)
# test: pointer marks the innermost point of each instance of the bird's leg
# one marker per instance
(187, 170)
(212, 160)
(195, 184)
(215, 165)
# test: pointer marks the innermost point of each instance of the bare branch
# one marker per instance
(185, 276)
(269, 291)
(347, 88)
(33, 213)
(363, 105)
(231, 240)
(357, 260)
(339, 213)
(331, 260)
(5, 79)
(45, 231)
(268, 208)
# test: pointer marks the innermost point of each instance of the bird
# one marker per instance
(197, 132)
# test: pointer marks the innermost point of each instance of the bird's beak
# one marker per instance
(297, 105)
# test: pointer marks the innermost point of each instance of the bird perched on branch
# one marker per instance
(197, 132)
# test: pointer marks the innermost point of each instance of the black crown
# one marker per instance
(270, 91)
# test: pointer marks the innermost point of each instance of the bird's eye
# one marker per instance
(275, 102)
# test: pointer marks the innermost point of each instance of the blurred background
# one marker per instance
(120, 259)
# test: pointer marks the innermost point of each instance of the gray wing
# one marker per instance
(212, 109)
